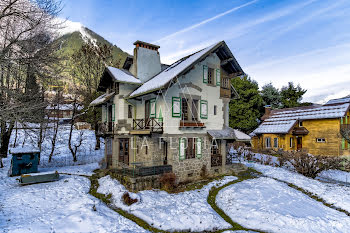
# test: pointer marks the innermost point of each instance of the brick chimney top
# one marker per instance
(146, 45)
(267, 112)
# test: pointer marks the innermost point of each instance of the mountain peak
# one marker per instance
(68, 27)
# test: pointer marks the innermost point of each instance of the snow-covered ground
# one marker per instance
(332, 193)
(187, 211)
(272, 206)
(335, 175)
(62, 156)
(62, 206)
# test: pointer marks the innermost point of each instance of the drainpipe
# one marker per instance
(134, 135)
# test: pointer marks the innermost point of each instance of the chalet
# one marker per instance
(314, 129)
(157, 117)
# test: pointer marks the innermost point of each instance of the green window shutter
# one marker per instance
(199, 146)
(341, 120)
(346, 120)
(176, 107)
(205, 74)
(113, 112)
(218, 80)
(182, 148)
(153, 108)
(204, 109)
(343, 144)
(160, 116)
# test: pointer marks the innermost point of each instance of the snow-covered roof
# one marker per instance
(161, 79)
(102, 99)
(282, 121)
(24, 150)
(345, 99)
(63, 107)
(229, 133)
(121, 75)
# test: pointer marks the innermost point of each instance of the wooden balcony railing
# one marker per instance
(152, 124)
(225, 92)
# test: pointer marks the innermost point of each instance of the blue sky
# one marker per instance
(305, 41)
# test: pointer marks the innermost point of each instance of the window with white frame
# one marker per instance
(320, 140)
(291, 142)
(275, 142)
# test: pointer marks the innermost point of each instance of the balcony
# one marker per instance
(225, 92)
(147, 126)
(105, 128)
(191, 124)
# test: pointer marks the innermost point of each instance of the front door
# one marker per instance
(299, 143)
(124, 150)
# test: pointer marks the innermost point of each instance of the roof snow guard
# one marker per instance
(282, 121)
(229, 133)
(183, 65)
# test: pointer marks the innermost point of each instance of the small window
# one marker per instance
(211, 76)
(191, 148)
(300, 124)
(275, 142)
(129, 111)
(320, 140)
(268, 142)
(215, 109)
(291, 142)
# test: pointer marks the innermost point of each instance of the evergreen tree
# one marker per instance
(245, 111)
(291, 95)
(271, 96)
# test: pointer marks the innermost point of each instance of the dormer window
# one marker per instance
(300, 124)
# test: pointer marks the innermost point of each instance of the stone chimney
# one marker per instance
(146, 61)
(267, 112)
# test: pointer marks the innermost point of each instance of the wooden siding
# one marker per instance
(329, 129)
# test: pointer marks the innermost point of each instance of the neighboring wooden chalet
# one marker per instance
(61, 111)
(158, 118)
(314, 129)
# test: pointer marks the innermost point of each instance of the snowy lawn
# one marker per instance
(62, 206)
(335, 175)
(269, 205)
(187, 211)
(335, 194)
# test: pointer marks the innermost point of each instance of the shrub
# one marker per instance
(310, 165)
(168, 181)
(128, 200)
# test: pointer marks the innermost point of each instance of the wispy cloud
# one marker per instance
(228, 34)
(204, 22)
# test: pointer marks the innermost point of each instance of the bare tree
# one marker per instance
(91, 61)
(74, 148)
(27, 56)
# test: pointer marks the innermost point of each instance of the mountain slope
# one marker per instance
(73, 36)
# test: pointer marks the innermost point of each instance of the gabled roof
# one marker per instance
(102, 99)
(283, 120)
(229, 133)
(345, 99)
(121, 75)
(183, 65)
